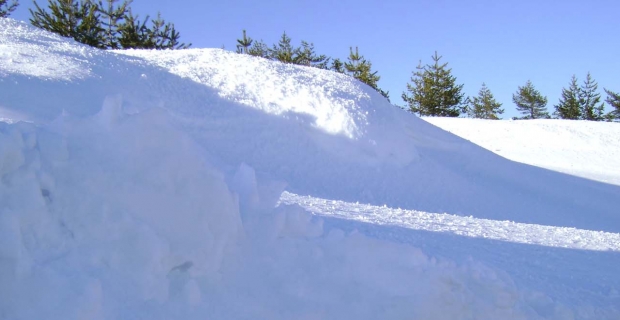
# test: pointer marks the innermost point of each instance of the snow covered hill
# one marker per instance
(582, 148)
(203, 183)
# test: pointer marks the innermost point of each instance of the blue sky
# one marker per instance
(501, 43)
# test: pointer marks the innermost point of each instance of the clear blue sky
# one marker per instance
(501, 43)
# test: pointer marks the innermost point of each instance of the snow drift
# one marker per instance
(139, 184)
(582, 148)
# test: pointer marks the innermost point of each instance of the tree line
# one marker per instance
(284, 51)
(103, 24)
(432, 91)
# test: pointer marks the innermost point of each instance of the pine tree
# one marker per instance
(306, 56)
(569, 106)
(135, 34)
(105, 25)
(484, 106)
(613, 99)
(164, 35)
(283, 51)
(434, 91)
(337, 66)
(244, 44)
(259, 49)
(6, 8)
(592, 107)
(112, 17)
(530, 102)
(71, 18)
(360, 69)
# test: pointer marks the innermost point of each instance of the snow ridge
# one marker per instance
(509, 231)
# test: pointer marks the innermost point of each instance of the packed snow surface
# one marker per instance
(201, 183)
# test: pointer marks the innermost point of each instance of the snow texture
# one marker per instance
(201, 183)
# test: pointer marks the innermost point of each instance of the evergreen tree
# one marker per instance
(360, 69)
(337, 66)
(570, 105)
(244, 44)
(306, 56)
(590, 100)
(112, 17)
(6, 8)
(434, 91)
(484, 105)
(134, 33)
(614, 101)
(105, 25)
(530, 102)
(284, 51)
(259, 49)
(164, 35)
(71, 18)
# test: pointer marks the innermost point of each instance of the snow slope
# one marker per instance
(139, 184)
(582, 148)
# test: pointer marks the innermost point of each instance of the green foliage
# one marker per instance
(581, 102)
(484, 105)
(591, 106)
(134, 33)
(244, 44)
(613, 99)
(306, 56)
(337, 66)
(105, 25)
(259, 49)
(530, 102)
(7, 7)
(569, 106)
(361, 69)
(71, 18)
(433, 91)
(112, 18)
(283, 51)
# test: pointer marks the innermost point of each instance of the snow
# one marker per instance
(582, 148)
(201, 183)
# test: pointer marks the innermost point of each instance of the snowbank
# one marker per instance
(144, 184)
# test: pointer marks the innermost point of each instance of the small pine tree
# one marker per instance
(613, 99)
(244, 44)
(164, 36)
(112, 17)
(569, 106)
(71, 18)
(283, 51)
(6, 8)
(337, 66)
(307, 57)
(104, 25)
(530, 102)
(360, 69)
(135, 34)
(259, 49)
(592, 107)
(484, 106)
(434, 91)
